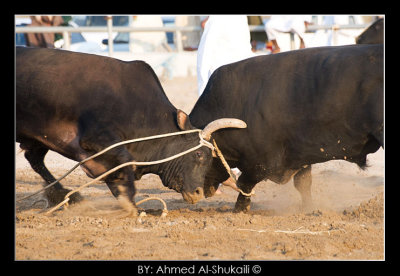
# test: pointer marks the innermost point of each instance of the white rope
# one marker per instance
(140, 140)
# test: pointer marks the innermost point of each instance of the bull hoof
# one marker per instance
(241, 208)
(128, 206)
(242, 204)
(55, 196)
(75, 198)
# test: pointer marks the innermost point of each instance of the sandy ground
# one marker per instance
(347, 222)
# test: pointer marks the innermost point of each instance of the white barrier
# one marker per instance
(176, 29)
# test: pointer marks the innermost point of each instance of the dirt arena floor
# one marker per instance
(347, 222)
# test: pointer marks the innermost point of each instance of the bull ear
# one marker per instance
(183, 120)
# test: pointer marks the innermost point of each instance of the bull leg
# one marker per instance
(243, 202)
(302, 181)
(35, 153)
(121, 182)
(122, 187)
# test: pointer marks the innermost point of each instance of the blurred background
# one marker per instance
(169, 43)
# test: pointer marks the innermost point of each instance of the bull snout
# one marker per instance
(194, 196)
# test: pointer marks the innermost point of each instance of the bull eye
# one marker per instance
(199, 155)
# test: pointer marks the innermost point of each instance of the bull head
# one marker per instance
(188, 176)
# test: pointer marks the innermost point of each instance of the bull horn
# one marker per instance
(221, 123)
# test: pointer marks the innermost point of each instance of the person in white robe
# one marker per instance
(286, 24)
(226, 39)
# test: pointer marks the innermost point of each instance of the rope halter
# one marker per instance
(204, 135)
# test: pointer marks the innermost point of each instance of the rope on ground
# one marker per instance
(296, 231)
(165, 210)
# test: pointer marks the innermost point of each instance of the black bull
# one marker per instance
(78, 104)
(301, 107)
(374, 34)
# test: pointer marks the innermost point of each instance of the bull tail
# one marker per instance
(378, 135)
